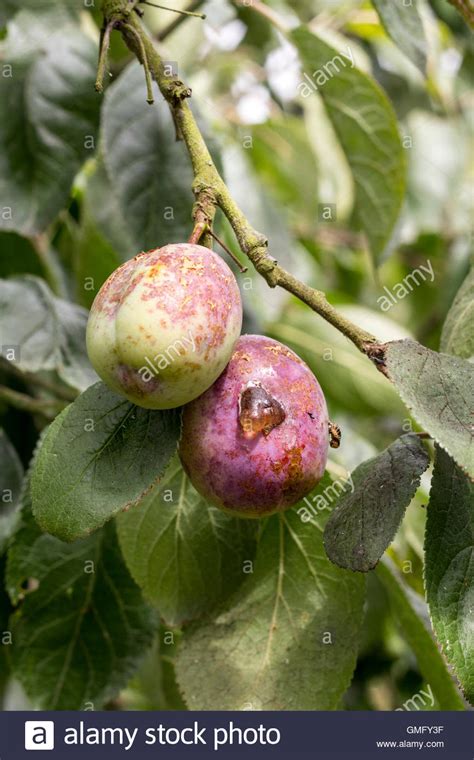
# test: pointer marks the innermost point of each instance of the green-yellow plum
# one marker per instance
(163, 326)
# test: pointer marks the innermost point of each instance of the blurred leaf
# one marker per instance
(365, 124)
(184, 554)
(283, 159)
(59, 7)
(48, 111)
(120, 451)
(258, 33)
(96, 260)
(149, 170)
(439, 173)
(74, 366)
(288, 638)
(82, 627)
(403, 24)
(449, 566)
(439, 391)
(11, 479)
(376, 621)
(46, 332)
(101, 210)
(410, 612)
(458, 331)
(269, 217)
(365, 520)
(5, 612)
(18, 256)
(168, 646)
(343, 372)
(154, 687)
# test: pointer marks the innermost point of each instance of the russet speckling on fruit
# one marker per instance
(163, 326)
(256, 442)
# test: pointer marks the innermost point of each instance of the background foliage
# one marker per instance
(172, 604)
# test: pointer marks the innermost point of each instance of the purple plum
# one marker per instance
(256, 441)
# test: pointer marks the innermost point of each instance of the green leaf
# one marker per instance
(458, 330)
(5, 612)
(366, 519)
(403, 24)
(61, 8)
(185, 555)
(266, 215)
(365, 124)
(96, 260)
(98, 245)
(288, 638)
(410, 612)
(102, 210)
(99, 457)
(72, 363)
(154, 687)
(48, 112)
(285, 162)
(11, 479)
(19, 256)
(149, 170)
(82, 627)
(47, 333)
(449, 566)
(439, 391)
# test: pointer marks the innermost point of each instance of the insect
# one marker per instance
(334, 435)
(259, 412)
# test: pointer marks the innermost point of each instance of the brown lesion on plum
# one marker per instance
(217, 337)
(292, 463)
(259, 411)
(240, 356)
(196, 266)
(155, 269)
(283, 351)
(295, 466)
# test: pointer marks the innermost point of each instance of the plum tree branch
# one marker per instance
(210, 189)
(48, 408)
(466, 9)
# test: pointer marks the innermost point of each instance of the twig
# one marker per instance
(211, 191)
(228, 251)
(144, 61)
(27, 403)
(29, 377)
(466, 9)
(173, 10)
(200, 229)
(103, 51)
